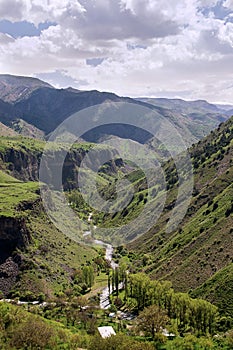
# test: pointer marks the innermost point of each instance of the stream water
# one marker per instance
(104, 296)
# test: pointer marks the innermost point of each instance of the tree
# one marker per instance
(118, 342)
(109, 283)
(88, 276)
(152, 320)
(139, 286)
(33, 333)
(117, 281)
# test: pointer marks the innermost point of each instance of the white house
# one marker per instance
(106, 331)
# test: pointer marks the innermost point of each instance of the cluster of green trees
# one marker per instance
(21, 330)
(85, 277)
(190, 342)
(196, 315)
(118, 342)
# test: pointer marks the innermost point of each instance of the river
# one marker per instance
(104, 296)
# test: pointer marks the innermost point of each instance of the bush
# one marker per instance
(33, 333)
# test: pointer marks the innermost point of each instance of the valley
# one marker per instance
(84, 275)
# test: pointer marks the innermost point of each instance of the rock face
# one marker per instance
(13, 235)
(24, 164)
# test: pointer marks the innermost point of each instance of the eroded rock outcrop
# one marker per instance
(13, 235)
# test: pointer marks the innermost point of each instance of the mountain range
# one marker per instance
(44, 107)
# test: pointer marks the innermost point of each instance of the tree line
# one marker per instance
(196, 315)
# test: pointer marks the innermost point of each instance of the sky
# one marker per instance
(155, 48)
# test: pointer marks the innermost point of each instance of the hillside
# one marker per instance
(38, 262)
(191, 257)
(6, 131)
(27, 130)
(14, 88)
(35, 257)
(200, 117)
(44, 107)
(197, 256)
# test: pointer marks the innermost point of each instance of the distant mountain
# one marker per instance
(183, 106)
(41, 105)
(225, 107)
(46, 108)
(230, 112)
(14, 88)
(199, 117)
(7, 112)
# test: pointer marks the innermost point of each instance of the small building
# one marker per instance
(106, 331)
(167, 334)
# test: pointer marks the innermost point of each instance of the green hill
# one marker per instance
(197, 256)
(35, 257)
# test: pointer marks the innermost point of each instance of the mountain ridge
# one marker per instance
(45, 107)
(13, 88)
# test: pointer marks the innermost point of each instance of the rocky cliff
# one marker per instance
(13, 235)
(23, 162)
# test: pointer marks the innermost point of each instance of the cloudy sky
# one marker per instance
(131, 47)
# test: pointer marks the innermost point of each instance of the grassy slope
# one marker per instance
(21, 329)
(218, 289)
(28, 130)
(192, 254)
(7, 179)
(34, 145)
(51, 257)
(202, 245)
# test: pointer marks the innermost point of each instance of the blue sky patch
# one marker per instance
(219, 11)
(59, 78)
(22, 29)
(94, 61)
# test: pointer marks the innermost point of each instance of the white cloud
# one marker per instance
(37, 11)
(226, 33)
(228, 4)
(5, 39)
(149, 46)
(12, 9)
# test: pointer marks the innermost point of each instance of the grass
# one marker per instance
(7, 179)
(14, 193)
(101, 281)
(192, 255)
(222, 295)
(51, 257)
